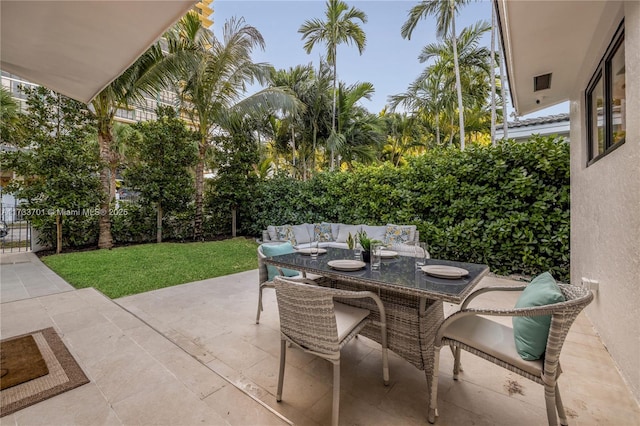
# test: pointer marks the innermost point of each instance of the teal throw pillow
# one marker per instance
(531, 333)
(275, 250)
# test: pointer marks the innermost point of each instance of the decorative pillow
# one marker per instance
(275, 250)
(344, 231)
(531, 333)
(322, 232)
(285, 233)
(399, 234)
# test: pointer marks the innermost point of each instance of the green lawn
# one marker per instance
(135, 269)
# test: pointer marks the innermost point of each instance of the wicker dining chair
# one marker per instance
(311, 320)
(264, 282)
(494, 342)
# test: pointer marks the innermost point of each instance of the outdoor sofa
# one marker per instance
(400, 238)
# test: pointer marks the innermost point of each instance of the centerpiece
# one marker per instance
(366, 243)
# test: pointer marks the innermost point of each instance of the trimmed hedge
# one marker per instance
(506, 206)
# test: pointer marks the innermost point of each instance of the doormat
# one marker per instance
(64, 374)
(20, 361)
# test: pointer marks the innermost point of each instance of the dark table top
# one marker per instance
(398, 273)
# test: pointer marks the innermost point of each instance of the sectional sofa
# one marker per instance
(399, 238)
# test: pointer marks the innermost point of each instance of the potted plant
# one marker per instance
(366, 244)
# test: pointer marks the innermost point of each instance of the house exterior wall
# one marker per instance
(605, 204)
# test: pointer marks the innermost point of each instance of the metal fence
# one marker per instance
(15, 230)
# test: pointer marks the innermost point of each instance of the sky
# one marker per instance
(388, 61)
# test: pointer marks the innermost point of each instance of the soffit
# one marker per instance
(546, 36)
(78, 47)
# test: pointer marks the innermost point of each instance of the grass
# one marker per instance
(135, 269)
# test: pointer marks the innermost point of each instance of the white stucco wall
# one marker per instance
(605, 205)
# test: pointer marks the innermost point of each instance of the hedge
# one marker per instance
(506, 206)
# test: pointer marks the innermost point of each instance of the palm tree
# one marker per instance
(146, 75)
(473, 69)
(445, 12)
(9, 112)
(359, 131)
(339, 27)
(214, 75)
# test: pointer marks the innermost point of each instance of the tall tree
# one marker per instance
(445, 12)
(59, 166)
(493, 74)
(339, 27)
(146, 75)
(214, 76)
(164, 157)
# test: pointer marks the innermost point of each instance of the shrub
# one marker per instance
(506, 206)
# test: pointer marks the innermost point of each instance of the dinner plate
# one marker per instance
(444, 271)
(346, 264)
(307, 251)
(385, 254)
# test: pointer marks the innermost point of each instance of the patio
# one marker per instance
(192, 354)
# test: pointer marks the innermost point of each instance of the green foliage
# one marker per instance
(506, 206)
(58, 161)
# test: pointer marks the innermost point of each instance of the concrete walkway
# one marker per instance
(192, 354)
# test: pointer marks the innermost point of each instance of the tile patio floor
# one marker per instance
(191, 354)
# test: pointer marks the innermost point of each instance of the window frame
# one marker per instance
(603, 73)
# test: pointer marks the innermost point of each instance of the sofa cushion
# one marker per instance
(285, 233)
(399, 234)
(531, 333)
(275, 250)
(375, 232)
(322, 232)
(302, 233)
(344, 231)
(271, 230)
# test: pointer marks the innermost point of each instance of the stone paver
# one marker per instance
(192, 354)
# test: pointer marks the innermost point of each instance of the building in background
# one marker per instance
(550, 125)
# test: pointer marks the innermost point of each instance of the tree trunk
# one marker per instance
(234, 213)
(333, 109)
(493, 75)
(58, 233)
(105, 139)
(197, 223)
(457, 69)
(438, 128)
(158, 222)
(112, 180)
(505, 125)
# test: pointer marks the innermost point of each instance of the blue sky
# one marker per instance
(388, 61)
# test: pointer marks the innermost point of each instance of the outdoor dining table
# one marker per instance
(413, 299)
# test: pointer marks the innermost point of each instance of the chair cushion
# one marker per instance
(531, 333)
(491, 338)
(347, 318)
(322, 232)
(275, 250)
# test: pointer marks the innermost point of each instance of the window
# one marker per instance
(606, 101)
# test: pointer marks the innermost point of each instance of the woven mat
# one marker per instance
(64, 374)
(20, 361)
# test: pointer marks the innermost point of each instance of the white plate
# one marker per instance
(444, 271)
(346, 264)
(307, 251)
(385, 254)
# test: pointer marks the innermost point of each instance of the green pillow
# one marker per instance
(275, 250)
(531, 333)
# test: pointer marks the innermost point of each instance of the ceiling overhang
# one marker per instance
(77, 48)
(545, 37)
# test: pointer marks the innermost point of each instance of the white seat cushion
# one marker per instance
(347, 318)
(492, 338)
